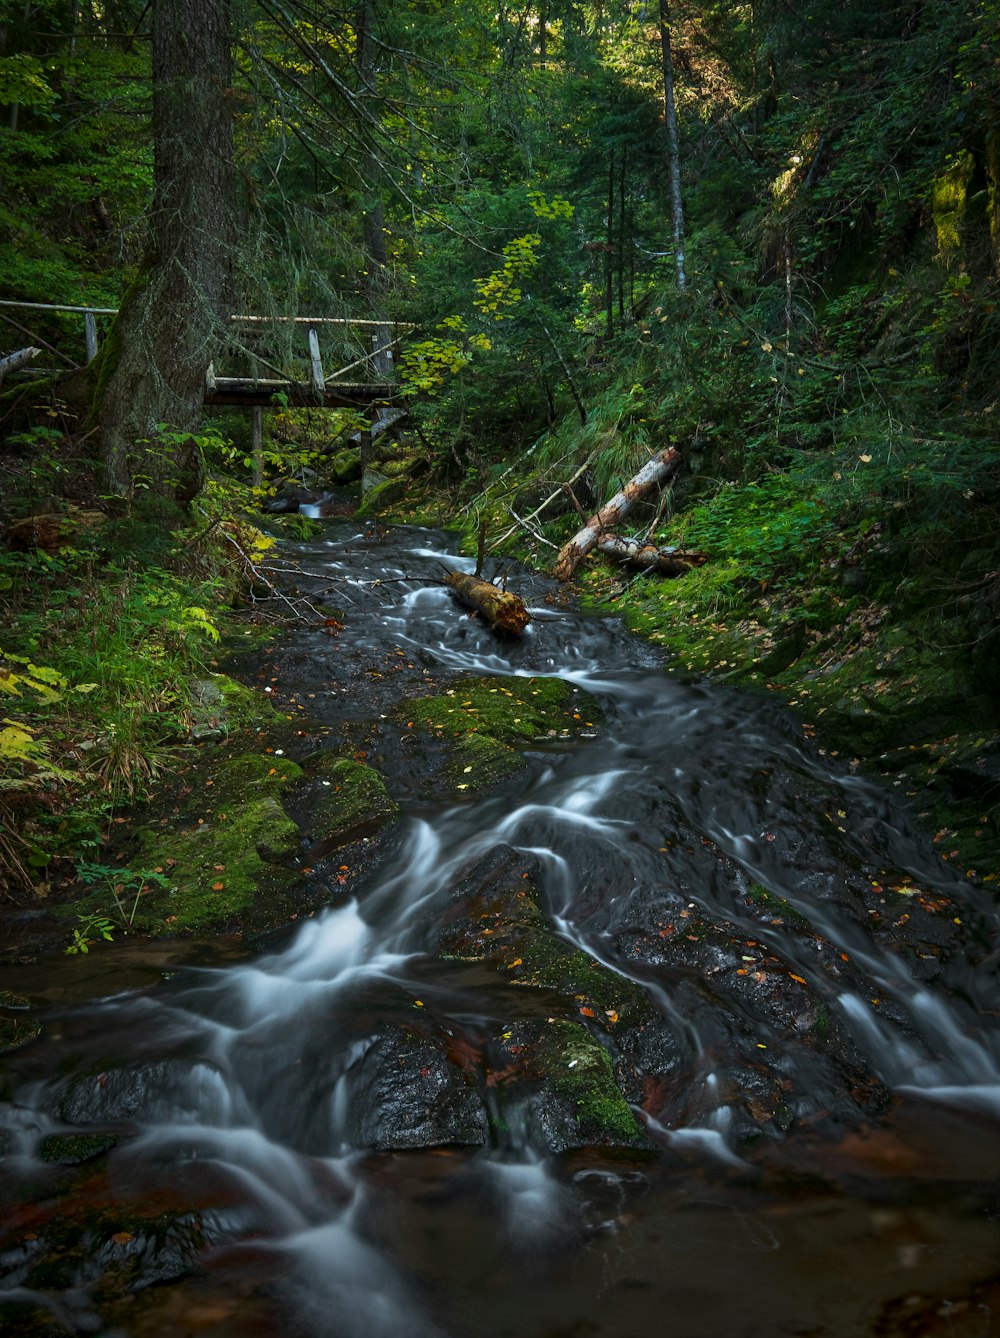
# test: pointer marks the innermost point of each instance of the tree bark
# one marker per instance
(647, 557)
(673, 145)
(659, 470)
(151, 368)
(502, 609)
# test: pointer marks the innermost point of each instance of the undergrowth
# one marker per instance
(103, 633)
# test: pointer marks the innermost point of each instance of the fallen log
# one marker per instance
(647, 557)
(502, 609)
(659, 470)
(15, 360)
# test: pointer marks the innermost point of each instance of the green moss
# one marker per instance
(481, 763)
(356, 795)
(770, 901)
(244, 706)
(382, 497)
(221, 865)
(345, 467)
(580, 1071)
(506, 710)
(291, 526)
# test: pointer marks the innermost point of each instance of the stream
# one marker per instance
(350, 1134)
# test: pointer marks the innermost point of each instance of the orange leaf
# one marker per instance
(218, 887)
(587, 1012)
(122, 1237)
(795, 977)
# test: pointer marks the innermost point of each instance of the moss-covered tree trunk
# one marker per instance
(152, 368)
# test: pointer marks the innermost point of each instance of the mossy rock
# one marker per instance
(221, 865)
(580, 1072)
(384, 495)
(345, 467)
(350, 795)
(480, 763)
(18, 1026)
(292, 526)
(495, 916)
(74, 1149)
(507, 710)
(558, 1079)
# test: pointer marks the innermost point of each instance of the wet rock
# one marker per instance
(405, 1092)
(167, 1089)
(18, 1026)
(289, 499)
(486, 721)
(74, 1149)
(343, 799)
(556, 1090)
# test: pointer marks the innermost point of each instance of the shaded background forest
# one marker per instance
(499, 175)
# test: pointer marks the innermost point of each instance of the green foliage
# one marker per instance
(84, 934)
(120, 884)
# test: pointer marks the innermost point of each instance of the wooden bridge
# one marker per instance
(300, 380)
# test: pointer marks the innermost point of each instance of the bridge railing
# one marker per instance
(301, 378)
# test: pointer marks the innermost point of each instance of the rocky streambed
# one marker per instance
(555, 990)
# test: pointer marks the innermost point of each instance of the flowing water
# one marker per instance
(818, 1091)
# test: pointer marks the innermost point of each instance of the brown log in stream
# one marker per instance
(647, 557)
(660, 469)
(502, 609)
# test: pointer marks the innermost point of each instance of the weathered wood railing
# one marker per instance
(322, 388)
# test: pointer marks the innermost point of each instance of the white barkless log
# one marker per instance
(659, 470)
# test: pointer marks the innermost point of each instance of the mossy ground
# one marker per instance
(219, 859)
(489, 720)
(875, 685)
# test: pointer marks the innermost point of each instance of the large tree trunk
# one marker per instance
(659, 470)
(151, 370)
(673, 145)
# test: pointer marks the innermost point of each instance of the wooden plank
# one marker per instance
(57, 306)
(315, 363)
(321, 320)
(337, 395)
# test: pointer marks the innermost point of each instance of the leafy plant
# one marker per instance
(120, 883)
(89, 926)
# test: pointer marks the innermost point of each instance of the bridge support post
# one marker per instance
(90, 334)
(316, 366)
(257, 444)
